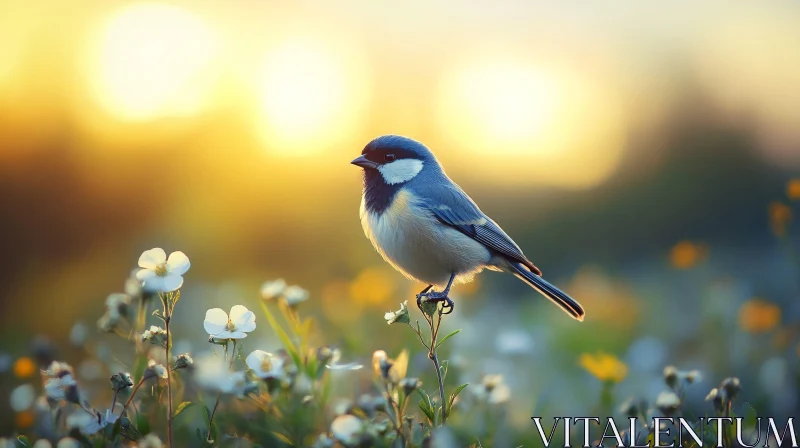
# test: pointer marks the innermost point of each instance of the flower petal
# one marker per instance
(242, 318)
(144, 274)
(154, 283)
(171, 282)
(237, 335)
(152, 258)
(178, 263)
(215, 321)
(256, 359)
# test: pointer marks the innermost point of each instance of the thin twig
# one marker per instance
(169, 380)
(133, 393)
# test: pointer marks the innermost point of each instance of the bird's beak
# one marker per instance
(364, 163)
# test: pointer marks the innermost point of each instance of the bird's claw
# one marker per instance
(436, 297)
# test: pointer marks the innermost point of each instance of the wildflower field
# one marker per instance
(183, 263)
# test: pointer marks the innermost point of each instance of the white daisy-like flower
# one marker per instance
(22, 397)
(347, 429)
(273, 289)
(160, 273)
(265, 365)
(295, 295)
(399, 316)
(236, 326)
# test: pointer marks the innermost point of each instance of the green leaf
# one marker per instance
(750, 416)
(449, 335)
(287, 343)
(426, 406)
(453, 397)
(282, 438)
(182, 407)
(138, 368)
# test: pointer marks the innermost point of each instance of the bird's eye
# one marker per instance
(389, 157)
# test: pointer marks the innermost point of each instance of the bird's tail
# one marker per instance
(567, 303)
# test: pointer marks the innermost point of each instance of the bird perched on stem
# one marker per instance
(427, 228)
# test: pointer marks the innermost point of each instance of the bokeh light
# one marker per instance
(557, 128)
(153, 60)
(309, 97)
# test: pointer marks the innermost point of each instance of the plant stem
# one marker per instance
(433, 357)
(169, 380)
(133, 393)
(219, 394)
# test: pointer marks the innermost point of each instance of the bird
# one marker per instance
(426, 227)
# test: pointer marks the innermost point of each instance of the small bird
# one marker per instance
(427, 228)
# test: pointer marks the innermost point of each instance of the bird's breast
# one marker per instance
(413, 241)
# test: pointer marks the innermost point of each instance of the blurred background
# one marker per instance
(640, 153)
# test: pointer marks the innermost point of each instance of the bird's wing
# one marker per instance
(451, 206)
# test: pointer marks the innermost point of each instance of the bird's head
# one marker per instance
(397, 159)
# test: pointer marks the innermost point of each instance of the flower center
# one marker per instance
(266, 365)
(161, 269)
(229, 326)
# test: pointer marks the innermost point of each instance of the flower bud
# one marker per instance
(731, 387)
(400, 316)
(121, 381)
(184, 361)
(671, 376)
(409, 385)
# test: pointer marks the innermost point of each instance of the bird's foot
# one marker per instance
(436, 297)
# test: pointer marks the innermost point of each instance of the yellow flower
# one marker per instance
(603, 366)
(793, 189)
(779, 216)
(759, 316)
(24, 368)
(686, 254)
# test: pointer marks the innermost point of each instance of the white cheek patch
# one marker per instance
(400, 171)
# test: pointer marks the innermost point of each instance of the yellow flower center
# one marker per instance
(229, 326)
(161, 269)
(266, 365)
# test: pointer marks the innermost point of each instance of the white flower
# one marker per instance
(56, 387)
(155, 370)
(400, 315)
(333, 363)
(220, 326)
(493, 390)
(294, 295)
(347, 429)
(160, 273)
(273, 289)
(150, 441)
(42, 443)
(155, 335)
(22, 398)
(57, 369)
(668, 402)
(212, 373)
(68, 442)
(265, 365)
(88, 423)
